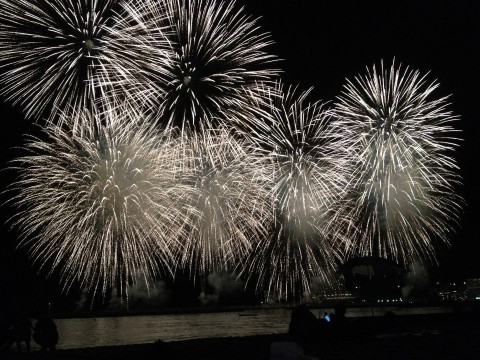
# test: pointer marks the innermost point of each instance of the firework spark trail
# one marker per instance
(214, 52)
(401, 143)
(97, 201)
(135, 51)
(47, 52)
(296, 143)
(226, 208)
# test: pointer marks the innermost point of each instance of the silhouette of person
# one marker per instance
(20, 330)
(303, 326)
(339, 322)
(339, 313)
(45, 333)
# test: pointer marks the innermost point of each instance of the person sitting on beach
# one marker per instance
(20, 330)
(339, 322)
(302, 329)
(338, 316)
(45, 333)
(303, 326)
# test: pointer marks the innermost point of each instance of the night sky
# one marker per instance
(321, 45)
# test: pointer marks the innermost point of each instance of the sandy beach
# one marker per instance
(432, 336)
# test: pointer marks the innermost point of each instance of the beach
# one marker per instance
(432, 336)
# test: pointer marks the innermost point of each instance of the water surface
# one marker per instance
(125, 330)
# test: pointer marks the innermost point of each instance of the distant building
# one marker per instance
(332, 293)
(472, 289)
(450, 292)
(337, 296)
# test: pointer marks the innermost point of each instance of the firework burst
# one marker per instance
(226, 206)
(139, 28)
(401, 141)
(97, 201)
(214, 53)
(50, 49)
(296, 143)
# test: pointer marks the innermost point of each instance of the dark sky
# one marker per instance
(322, 45)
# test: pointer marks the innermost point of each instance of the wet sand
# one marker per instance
(412, 337)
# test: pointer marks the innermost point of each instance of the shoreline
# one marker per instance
(216, 309)
(246, 309)
(428, 336)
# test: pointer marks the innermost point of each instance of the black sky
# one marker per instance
(323, 43)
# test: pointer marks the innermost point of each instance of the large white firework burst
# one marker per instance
(295, 140)
(96, 201)
(401, 142)
(50, 49)
(134, 52)
(215, 52)
(226, 206)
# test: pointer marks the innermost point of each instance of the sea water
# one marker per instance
(125, 330)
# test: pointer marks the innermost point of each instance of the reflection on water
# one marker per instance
(88, 332)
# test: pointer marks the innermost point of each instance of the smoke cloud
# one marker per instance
(225, 286)
(416, 280)
(141, 296)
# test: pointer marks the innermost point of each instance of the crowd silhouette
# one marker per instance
(305, 330)
(17, 328)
